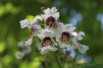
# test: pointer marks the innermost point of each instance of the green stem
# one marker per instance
(57, 60)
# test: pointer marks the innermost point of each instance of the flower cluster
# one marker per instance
(54, 34)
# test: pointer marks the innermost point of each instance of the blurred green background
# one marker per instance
(86, 15)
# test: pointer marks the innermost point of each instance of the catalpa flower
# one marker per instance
(34, 27)
(65, 36)
(50, 17)
(76, 38)
(47, 43)
(64, 41)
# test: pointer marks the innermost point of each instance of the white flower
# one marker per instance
(83, 48)
(35, 28)
(24, 23)
(50, 12)
(76, 37)
(44, 50)
(50, 17)
(47, 44)
(65, 34)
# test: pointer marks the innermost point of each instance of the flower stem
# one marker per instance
(57, 60)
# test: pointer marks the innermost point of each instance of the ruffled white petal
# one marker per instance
(24, 23)
(68, 28)
(50, 12)
(53, 10)
(44, 50)
(34, 25)
(46, 32)
(80, 35)
(37, 30)
(56, 15)
(47, 11)
(45, 16)
(58, 30)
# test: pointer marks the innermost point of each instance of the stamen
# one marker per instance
(50, 22)
(47, 41)
(65, 37)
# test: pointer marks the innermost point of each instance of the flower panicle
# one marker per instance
(65, 35)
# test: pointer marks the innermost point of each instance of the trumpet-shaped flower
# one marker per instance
(50, 17)
(65, 34)
(47, 43)
(34, 27)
